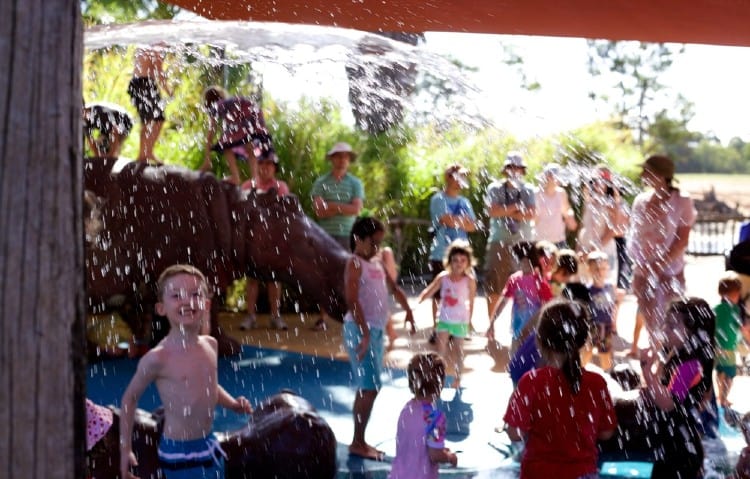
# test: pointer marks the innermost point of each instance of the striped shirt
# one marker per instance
(343, 191)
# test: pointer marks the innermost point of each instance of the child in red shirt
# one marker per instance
(560, 410)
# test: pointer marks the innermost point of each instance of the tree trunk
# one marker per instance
(41, 241)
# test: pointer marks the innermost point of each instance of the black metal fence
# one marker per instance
(712, 234)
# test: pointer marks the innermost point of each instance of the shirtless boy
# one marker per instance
(148, 76)
(184, 367)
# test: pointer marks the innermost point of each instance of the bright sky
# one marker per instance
(716, 79)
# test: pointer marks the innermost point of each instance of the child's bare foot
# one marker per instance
(366, 451)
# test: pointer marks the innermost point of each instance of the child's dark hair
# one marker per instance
(566, 261)
(175, 270)
(364, 227)
(526, 249)
(545, 249)
(212, 95)
(426, 372)
(563, 328)
(697, 316)
(729, 283)
(459, 246)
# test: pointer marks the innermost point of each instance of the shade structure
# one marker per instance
(720, 22)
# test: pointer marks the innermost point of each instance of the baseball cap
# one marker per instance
(342, 147)
(660, 165)
(514, 158)
(269, 155)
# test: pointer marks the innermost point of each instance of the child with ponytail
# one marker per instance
(560, 410)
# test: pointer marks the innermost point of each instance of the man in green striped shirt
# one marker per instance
(338, 195)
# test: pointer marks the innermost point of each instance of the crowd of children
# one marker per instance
(558, 408)
(564, 308)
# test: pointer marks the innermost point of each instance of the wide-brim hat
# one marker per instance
(515, 159)
(659, 165)
(342, 147)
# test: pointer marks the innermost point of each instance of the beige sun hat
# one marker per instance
(342, 147)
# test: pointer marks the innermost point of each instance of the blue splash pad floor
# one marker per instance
(472, 413)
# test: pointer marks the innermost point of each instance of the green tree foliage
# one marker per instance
(402, 167)
(636, 69)
(97, 12)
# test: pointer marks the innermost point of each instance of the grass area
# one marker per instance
(729, 188)
(706, 179)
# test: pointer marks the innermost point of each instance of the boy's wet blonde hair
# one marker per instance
(177, 269)
(458, 246)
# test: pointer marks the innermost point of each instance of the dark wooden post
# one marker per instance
(41, 241)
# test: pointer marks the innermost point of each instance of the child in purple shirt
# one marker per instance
(678, 384)
(420, 440)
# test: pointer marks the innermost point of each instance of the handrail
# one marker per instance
(715, 233)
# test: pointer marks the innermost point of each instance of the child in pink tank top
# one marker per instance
(366, 287)
(458, 289)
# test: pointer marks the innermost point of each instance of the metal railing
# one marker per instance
(714, 233)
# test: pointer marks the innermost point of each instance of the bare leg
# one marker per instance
(251, 300)
(251, 295)
(363, 402)
(492, 300)
(252, 159)
(441, 343)
(274, 298)
(115, 145)
(722, 389)
(206, 166)
(234, 172)
(636, 333)
(435, 305)
(605, 360)
(457, 352)
(149, 134)
(390, 331)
